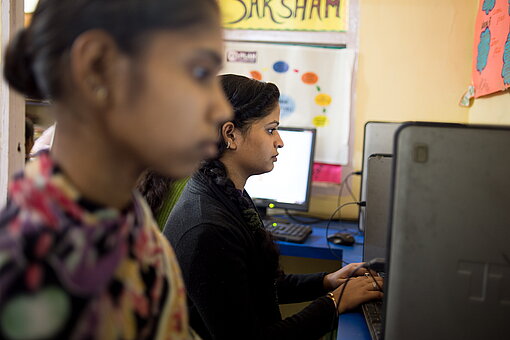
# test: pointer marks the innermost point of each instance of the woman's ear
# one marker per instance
(228, 134)
(93, 56)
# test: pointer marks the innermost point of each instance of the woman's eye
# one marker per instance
(270, 131)
(201, 73)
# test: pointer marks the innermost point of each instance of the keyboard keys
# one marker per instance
(372, 311)
(289, 232)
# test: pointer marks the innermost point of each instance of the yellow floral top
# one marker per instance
(70, 269)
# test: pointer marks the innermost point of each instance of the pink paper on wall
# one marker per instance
(329, 173)
(491, 61)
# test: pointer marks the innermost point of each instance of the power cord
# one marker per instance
(349, 190)
(338, 210)
(345, 183)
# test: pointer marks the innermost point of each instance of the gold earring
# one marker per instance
(101, 93)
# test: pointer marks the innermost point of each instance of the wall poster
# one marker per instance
(315, 87)
(491, 61)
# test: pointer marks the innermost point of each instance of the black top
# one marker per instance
(231, 294)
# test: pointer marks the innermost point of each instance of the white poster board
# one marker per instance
(315, 86)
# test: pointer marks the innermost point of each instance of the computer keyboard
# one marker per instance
(372, 311)
(289, 232)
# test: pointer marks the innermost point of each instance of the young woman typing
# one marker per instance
(229, 262)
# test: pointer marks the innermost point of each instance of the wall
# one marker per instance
(494, 109)
(414, 64)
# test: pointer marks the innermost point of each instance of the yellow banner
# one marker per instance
(288, 15)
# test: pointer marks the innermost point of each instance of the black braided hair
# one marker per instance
(216, 174)
(154, 188)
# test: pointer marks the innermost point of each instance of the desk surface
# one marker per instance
(351, 326)
(317, 247)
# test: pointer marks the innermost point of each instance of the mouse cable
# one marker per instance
(378, 264)
(337, 210)
(368, 266)
(374, 263)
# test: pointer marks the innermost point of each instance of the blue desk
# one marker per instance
(351, 326)
(316, 246)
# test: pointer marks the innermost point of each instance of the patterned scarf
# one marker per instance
(72, 269)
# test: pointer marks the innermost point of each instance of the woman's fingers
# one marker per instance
(374, 283)
(359, 290)
(374, 294)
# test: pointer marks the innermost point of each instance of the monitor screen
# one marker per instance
(288, 185)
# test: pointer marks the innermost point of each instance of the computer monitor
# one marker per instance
(378, 205)
(449, 250)
(377, 139)
(288, 185)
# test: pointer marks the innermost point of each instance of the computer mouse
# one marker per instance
(344, 239)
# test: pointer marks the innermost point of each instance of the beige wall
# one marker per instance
(493, 109)
(414, 64)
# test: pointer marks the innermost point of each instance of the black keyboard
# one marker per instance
(289, 232)
(372, 311)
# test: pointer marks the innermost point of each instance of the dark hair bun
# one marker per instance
(18, 66)
(36, 60)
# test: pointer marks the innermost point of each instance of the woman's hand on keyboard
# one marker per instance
(357, 291)
(335, 279)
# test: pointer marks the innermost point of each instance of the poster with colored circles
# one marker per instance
(491, 62)
(315, 88)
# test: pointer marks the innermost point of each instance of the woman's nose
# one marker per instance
(279, 142)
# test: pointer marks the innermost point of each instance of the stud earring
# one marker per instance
(101, 93)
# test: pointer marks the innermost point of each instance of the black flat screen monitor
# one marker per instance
(378, 139)
(378, 172)
(449, 251)
(288, 185)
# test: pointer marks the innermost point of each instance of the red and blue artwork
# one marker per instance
(505, 73)
(484, 47)
(488, 5)
(491, 62)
